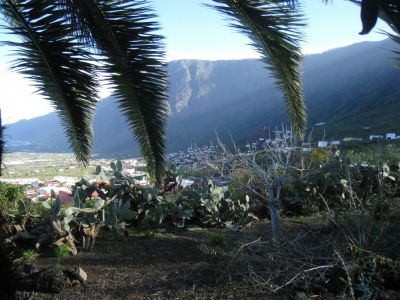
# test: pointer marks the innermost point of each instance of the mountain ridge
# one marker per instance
(235, 96)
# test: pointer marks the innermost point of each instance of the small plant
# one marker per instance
(217, 240)
(62, 251)
(89, 203)
(29, 256)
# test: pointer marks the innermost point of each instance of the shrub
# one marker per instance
(217, 240)
(10, 193)
(29, 256)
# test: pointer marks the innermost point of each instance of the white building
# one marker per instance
(66, 180)
(390, 136)
(322, 144)
(352, 139)
(375, 137)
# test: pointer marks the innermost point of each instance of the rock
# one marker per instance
(17, 228)
(75, 274)
(29, 269)
(82, 275)
(75, 282)
(301, 296)
(23, 235)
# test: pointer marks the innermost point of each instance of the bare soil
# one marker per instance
(184, 265)
(163, 266)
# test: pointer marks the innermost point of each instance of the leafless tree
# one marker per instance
(266, 169)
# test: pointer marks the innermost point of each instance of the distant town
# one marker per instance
(64, 164)
(189, 157)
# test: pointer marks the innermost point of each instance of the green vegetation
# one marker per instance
(10, 193)
(74, 93)
(378, 118)
(29, 256)
(217, 240)
(11, 197)
(62, 251)
(43, 166)
(58, 40)
(348, 201)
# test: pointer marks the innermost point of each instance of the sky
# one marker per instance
(195, 31)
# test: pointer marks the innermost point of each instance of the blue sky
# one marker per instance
(195, 31)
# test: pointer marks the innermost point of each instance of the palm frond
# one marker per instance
(133, 54)
(396, 39)
(273, 28)
(371, 10)
(390, 13)
(369, 15)
(50, 56)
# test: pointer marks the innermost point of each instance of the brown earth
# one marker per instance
(184, 265)
(163, 266)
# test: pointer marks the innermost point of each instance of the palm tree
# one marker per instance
(66, 44)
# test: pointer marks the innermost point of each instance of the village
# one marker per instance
(66, 172)
(190, 156)
(61, 184)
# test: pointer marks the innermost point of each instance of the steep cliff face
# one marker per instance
(197, 82)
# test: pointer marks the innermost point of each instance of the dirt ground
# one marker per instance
(184, 265)
(160, 266)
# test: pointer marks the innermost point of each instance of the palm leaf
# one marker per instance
(272, 25)
(387, 10)
(123, 31)
(390, 13)
(50, 56)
